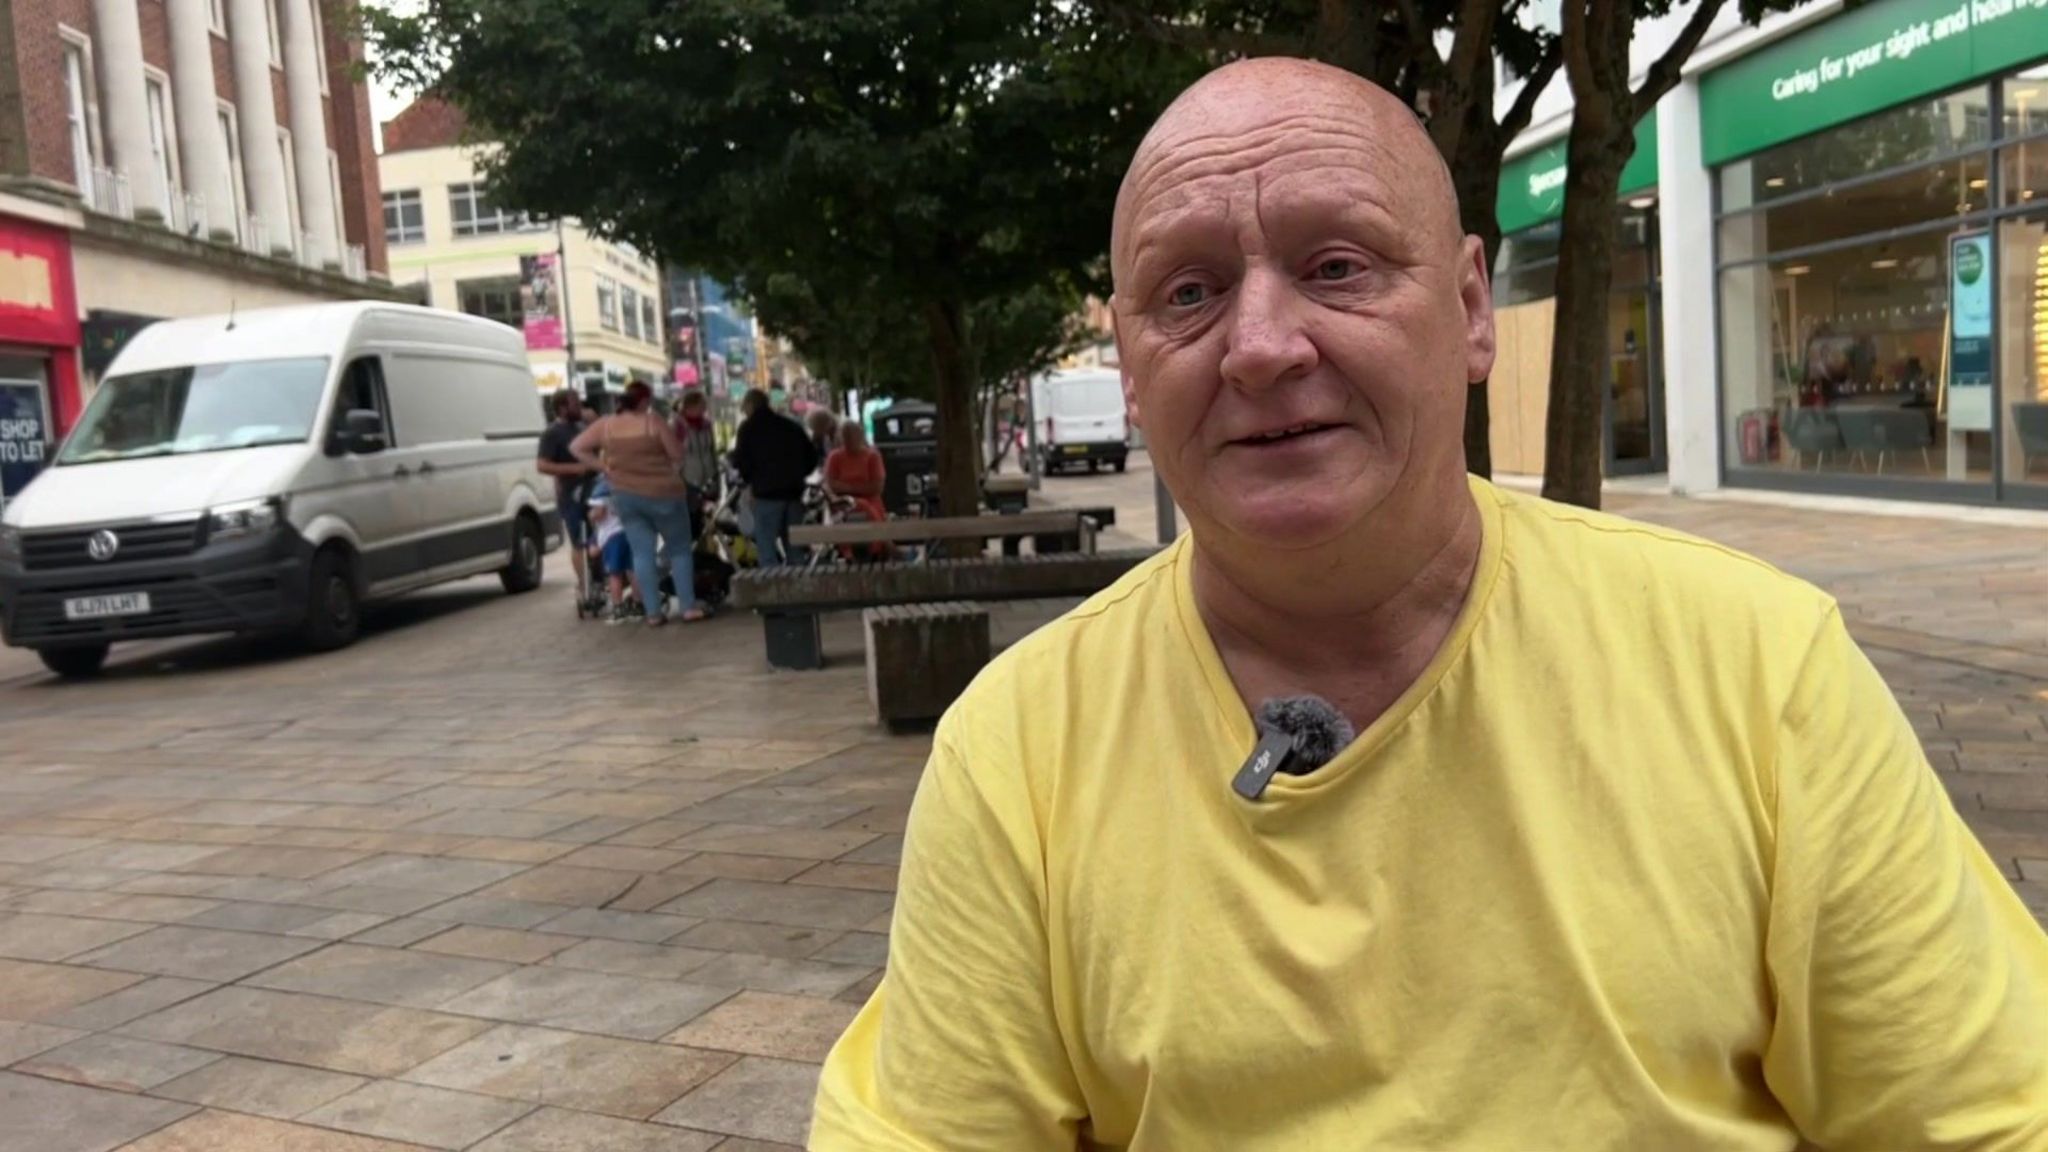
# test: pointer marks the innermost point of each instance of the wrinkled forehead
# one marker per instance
(1311, 162)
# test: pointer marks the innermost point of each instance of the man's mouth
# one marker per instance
(1281, 435)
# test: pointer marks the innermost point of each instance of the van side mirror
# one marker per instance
(362, 432)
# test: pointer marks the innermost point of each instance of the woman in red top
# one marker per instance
(855, 470)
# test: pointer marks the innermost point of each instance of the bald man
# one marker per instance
(1632, 850)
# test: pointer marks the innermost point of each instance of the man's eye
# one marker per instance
(1336, 268)
(1187, 295)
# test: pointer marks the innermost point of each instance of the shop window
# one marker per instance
(2023, 346)
(1898, 138)
(608, 303)
(493, 299)
(2026, 103)
(1954, 187)
(474, 214)
(2023, 172)
(1833, 363)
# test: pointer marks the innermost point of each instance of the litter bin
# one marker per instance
(907, 436)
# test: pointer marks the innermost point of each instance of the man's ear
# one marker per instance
(1475, 290)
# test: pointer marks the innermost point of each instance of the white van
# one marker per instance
(271, 472)
(1080, 414)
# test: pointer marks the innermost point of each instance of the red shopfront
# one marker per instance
(39, 334)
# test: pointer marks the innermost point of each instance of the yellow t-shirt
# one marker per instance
(1647, 859)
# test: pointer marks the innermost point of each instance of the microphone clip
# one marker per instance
(1272, 755)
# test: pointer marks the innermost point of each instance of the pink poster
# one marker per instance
(540, 293)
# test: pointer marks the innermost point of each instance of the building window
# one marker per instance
(229, 132)
(291, 190)
(319, 42)
(493, 299)
(469, 206)
(649, 327)
(217, 17)
(405, 219)
(334, 197)
(270, 22)
(158, 98)
(608, 303)
(629, 304)
(78, 116)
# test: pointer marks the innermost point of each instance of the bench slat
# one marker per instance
(939, 528)
(1050, 577)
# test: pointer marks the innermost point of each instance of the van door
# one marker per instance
(1088, 412)
(375, 492)
(444, 398)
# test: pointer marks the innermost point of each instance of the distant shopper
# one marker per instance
(824, 429)
(572, 476)
(641, 458)
(774, 456)
(856, 471)
(694, 431)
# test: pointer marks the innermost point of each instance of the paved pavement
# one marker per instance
(495, 879)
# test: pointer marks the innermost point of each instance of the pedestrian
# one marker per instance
(572, 477)
(1633, 849)
(642, 460)
(857, 472)
(823, 427)
(699, 440)
(775, 457)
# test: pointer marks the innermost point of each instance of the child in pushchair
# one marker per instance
(611, 561)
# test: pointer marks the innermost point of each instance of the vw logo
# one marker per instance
(102, 545)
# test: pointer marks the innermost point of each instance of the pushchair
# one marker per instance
(719, 548)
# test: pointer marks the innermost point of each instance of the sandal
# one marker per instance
(656, 621)
(694, 615)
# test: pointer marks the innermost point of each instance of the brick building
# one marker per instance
(170, 158)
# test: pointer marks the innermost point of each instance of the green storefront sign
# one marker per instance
(1859, 62)
(1532, 186)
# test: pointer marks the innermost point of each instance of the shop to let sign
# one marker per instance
(1969, 328)
(24, 436)
(1871, 58)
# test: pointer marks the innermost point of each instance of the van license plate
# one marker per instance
(101, 607)
(1075, 449)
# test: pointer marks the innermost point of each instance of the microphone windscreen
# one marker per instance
(1319, 730)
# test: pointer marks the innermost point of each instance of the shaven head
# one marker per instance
(1277, 103)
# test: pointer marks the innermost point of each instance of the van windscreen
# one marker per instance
(207, 408)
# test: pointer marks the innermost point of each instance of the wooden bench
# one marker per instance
(790, 600)
(921, 657)
(915, 530)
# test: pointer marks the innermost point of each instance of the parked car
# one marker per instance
(272, 472)
(1081, 418)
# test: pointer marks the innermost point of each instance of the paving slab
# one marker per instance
(50, 1116)
(589, 1001)
(197, 953)
(36, 993)
(418, 1114)
(29, 936)
(765, 1024)
(262, 1087)
(624, 1078)
(339, 1035)
(214, 1131)
(558, 1130)
(758, 1097)
(406, 978)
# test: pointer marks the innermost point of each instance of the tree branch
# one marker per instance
(1665, 73)
(1228, 41)
(1472, 41)
(1524, 107)
(1421, 45)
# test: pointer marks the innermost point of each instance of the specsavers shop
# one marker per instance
(1858, 198)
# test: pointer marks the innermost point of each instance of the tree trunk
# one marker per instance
(959, 478)
(1476, 176)
(1599, 147)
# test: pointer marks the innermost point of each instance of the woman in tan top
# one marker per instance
(639, 455)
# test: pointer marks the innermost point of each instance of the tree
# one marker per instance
(1605, 110)
(931, 155)
(1395, 46)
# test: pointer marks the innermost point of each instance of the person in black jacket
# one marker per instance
(774, 456)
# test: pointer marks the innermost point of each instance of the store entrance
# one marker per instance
(1635, 392)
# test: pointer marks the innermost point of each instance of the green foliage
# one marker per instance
(908, 161)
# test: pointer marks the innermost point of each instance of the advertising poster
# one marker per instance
(540, 296)
(24, 436)
(1969, 327)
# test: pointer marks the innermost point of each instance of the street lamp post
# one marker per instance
(568, 329)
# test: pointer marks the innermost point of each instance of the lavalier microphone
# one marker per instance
(1297, 735)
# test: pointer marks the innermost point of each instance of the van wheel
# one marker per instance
(524, 572)
(334, 611)
(1119, 464)
(76, 662)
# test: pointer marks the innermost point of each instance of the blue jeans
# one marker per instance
(643, 518)
(771, 532)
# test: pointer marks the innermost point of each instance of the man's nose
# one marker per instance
(1268, 344)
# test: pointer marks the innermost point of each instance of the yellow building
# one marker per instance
(455, 249)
